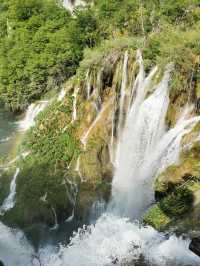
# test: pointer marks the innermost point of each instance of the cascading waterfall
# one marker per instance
(9, 202)
(88, 85)
(68, 4)
(33, 110)
(145, 126)
(62, 94)
(145, 147)
(55, 219)
(72, 192)
(74, 113)
(122, 94)
(71, 4)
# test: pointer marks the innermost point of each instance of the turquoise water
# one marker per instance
(8, 128)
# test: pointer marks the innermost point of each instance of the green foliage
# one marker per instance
(41, 47)
(173, 206)
(53, 139)
(42, 182)
(156, 218)
(5, 180)
(177, 203)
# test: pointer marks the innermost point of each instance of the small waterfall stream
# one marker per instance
(61, 94)
(9, 202)
(74, 113)
(33, 110)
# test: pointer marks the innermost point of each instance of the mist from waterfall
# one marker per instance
(14, 248)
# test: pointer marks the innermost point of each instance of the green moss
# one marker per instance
(156, 217)
(40, 188)
(175, 205)
(5, 180)
(178, 202)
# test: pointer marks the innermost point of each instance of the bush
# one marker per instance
(177, 203)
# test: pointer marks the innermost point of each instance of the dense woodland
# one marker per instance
(41, 44)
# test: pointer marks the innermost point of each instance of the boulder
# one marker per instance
(195, 246)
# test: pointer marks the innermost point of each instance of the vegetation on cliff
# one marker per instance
(177, 191)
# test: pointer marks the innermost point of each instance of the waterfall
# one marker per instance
(122, 94)
(143, 130)
(77, 169)
(55, 219)
(71, 4)
(68, 4)
(74, 113)
(33, 110)
(9, 202)
(62, 94)
(88, 85)
(145, 148)
(72, 192)
(139, 89)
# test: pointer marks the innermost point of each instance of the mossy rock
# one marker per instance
(156, 217)
(41, 189)
(175, 207)
(5, 179)
(187, 169)
(177, 203)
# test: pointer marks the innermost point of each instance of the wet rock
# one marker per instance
(195, 246)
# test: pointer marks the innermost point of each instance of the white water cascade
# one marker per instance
(15, 249)
(71, 4)
(122, 94)
(74, 113)
(145, 148)
(33, 110)
(62, 94)
(9, 202)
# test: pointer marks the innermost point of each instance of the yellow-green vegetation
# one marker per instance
(42, 181)
(174, 206)
(156, 217)
(5, 184)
